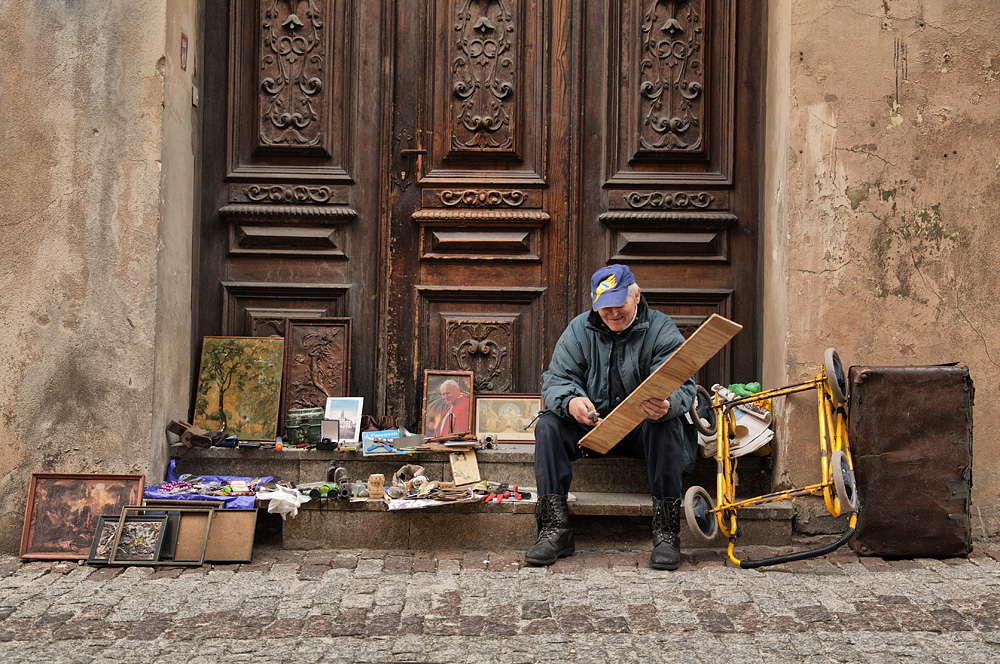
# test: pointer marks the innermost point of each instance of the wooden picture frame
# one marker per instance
(104, 539)
(231, 536)
(193, 530)
(63, 510)
(174, 511)
(446, 409)
(510, 418)
(138, 538)
(347, 410)
(239, 386)
(317, 362)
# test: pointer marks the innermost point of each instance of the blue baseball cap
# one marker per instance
(609, 286)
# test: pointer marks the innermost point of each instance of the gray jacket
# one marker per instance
(579, 365)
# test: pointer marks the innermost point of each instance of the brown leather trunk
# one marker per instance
(911, 437)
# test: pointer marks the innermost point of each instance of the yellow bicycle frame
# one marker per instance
(832, 438)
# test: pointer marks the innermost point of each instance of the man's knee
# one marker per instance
(547, 428)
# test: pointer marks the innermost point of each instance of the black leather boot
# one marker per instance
(555, 537)
(666, 533)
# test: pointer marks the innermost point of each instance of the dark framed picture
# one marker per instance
(510, 418)
(317, 362)
(128, 539)
(239, 386)
(447, 406)
(63, 510)
(104, 539)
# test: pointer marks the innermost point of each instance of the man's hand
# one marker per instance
(580, 409)
(654, 409)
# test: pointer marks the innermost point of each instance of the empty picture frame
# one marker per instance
(63, 510)
(231, 536)
(193, 531)
(447, 406)
(317, 362)
(239, 386)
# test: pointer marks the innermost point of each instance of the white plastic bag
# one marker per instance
(283, 500)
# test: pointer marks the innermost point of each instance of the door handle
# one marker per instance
(406, 152)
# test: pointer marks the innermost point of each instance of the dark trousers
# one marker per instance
(659, 443)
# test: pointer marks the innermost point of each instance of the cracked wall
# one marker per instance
(883, 165)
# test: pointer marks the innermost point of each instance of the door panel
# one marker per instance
(471, 244)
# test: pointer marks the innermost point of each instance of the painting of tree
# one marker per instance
(239, 386)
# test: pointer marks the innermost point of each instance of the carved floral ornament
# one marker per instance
(483, 347)
(481, 198)
(288, 194)
(483, 75)
(668, 200)
(292, 59)
(671, 76)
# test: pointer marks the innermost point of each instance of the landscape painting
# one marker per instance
(239, 386)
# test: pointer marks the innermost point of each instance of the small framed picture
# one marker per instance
(138, 539)
(347, 410)
(508, 417)
(447, 404)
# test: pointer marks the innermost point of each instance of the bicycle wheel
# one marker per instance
(699, 424)
(698, 514)
(843, 480)
(835, 375)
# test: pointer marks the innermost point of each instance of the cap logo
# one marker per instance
(605, 285)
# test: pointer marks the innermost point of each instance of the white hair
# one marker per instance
(633, 289)
(448, 383)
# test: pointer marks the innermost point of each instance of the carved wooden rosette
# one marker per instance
(485, 347)
(672, 76)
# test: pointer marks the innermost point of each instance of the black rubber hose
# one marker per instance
(798, 555)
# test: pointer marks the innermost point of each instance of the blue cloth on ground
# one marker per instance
(232, 502)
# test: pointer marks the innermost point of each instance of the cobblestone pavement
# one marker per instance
(485, 607)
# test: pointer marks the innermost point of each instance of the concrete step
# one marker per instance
(612, 505)
(513, 464)
(599, 520)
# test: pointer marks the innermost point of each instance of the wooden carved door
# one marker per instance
(291, 179)
(478, 246)
(448, 173)
(676, 103)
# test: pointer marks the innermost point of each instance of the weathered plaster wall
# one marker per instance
(180, 150)
(80, 236)
(884, 158)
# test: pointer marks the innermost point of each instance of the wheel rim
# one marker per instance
(706, 429)
(843, 480)
(698, 514)
(835, 375)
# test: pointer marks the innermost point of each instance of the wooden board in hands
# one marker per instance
(699, 348)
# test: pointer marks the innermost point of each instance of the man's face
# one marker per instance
(618, 318)
(449, 393)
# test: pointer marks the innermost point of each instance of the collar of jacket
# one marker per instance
(641, 322)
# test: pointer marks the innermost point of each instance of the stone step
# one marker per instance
(513, 464)
(599, 520)
(612, 506)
